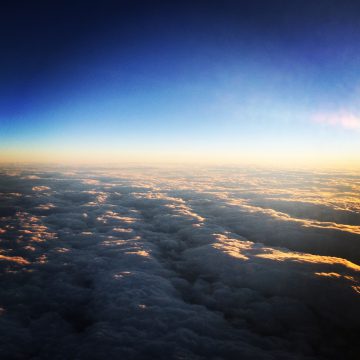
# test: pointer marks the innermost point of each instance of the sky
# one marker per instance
(225, 82)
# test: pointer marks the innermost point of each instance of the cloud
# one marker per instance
(144, 264)
(40, 188)
(343, 119)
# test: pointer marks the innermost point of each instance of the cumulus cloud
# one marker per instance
(145, 264)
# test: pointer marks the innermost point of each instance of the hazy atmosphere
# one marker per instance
(180, 180)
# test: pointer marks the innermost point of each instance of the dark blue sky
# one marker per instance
(161, 75)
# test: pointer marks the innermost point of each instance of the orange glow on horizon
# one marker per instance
(213, 158)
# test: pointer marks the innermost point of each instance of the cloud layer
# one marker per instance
(176, 264)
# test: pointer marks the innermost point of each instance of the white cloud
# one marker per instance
(343, 119)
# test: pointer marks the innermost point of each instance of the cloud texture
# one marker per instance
(179, 264)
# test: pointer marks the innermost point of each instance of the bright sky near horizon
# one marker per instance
(263, 82)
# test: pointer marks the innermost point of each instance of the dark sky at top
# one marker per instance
(38, 36)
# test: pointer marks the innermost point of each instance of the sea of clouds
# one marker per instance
(147, 263)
